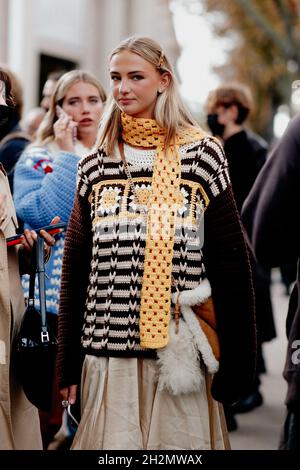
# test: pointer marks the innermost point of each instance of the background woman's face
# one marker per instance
(83, 104)
(135, 83)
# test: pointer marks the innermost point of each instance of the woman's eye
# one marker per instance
(137, 77)
(114, 78)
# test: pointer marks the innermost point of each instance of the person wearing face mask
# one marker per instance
(228, 107)
(19, 421)
(227, 110)
(13, 139)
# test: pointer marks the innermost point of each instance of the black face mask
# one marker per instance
(6, 113)
(214, 125)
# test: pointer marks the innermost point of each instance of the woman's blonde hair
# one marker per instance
(45, 131)
(170, 112)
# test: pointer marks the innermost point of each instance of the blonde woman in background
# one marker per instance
(46, 174)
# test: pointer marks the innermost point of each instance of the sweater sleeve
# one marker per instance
(75, 275)
(228, 270)
(44, 187)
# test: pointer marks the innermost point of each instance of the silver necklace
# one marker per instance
(142, 208)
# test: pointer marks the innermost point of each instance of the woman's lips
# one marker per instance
(125, 101)
(86, 122)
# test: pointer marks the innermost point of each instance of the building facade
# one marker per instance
(39, 35)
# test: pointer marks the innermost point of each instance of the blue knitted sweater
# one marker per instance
(45, 183)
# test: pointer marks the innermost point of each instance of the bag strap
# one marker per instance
(42, 288)
(227, 445)
(38, 267)
(32, 279)
(208, 382)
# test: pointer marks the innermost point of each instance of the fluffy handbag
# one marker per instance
(36, 343)
(193, 340)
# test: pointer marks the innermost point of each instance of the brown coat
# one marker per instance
(19, 421)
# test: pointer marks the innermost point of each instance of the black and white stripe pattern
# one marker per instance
(112, 307)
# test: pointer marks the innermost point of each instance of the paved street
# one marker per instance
(260, 429)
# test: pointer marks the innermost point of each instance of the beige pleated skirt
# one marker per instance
(122, 408)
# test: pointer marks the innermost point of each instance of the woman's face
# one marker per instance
(83, 104)
(135, 84)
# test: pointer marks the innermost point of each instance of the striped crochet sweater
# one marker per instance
(104, 255)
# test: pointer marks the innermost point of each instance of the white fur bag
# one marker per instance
(178, 362)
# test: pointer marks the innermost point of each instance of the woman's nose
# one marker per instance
(86, 107)
(124, 86)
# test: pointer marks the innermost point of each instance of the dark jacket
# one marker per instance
(246, 154)
(270, 216)
(12, 143)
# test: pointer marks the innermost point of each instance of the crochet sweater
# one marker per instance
(45, 184)
(104, 262)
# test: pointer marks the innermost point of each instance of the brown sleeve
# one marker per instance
(229, 273)
(74, 282)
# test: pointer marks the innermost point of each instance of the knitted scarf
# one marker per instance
(155, 309)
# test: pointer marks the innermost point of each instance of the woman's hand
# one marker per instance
(69, 394)
(3, 208)
(30, 236)
(64, 131)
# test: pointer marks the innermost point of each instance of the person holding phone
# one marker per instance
(45, 177)
(19, 421)
(135, 258)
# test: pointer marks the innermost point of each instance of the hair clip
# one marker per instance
(161, 60)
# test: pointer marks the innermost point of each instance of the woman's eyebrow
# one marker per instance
(79, 97)
(129, 73)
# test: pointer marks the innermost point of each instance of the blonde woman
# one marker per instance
(45, 175)
(135, 257)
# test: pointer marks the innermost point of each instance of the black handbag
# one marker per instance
(36, 343)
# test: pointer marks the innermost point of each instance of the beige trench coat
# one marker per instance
(19, 420)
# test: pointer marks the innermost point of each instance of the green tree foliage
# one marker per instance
(266, 49)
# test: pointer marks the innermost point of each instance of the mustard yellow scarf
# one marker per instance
(155, 309)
